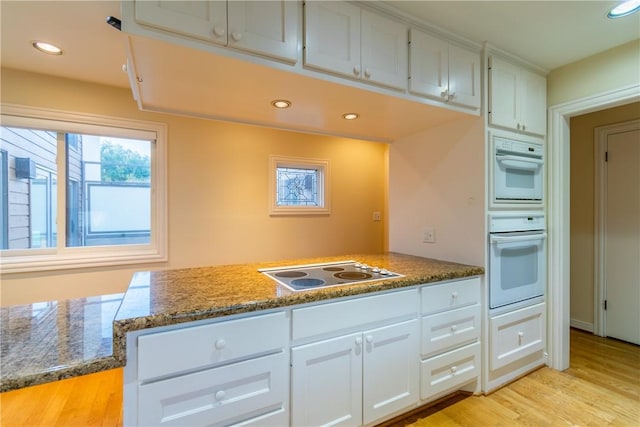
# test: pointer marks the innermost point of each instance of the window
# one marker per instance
(4, 200)
(82, 190)
(299, 186)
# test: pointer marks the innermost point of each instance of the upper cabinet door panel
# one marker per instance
(534, 103)
(384, 50)
(205, 20)
(464, 77)
(265, 27)
(332, 37)
(429, 65)
(503, 98)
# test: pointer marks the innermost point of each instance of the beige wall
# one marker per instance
(218, 193)
(582, 205)
(436, 179)
(613, 69)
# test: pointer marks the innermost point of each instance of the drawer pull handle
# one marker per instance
(454, 369)
(369, 339)
(520, 336)
(359, 341)
(220, 395)
(454, 295)
(220, 344)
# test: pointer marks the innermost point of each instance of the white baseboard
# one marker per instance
(579, 324)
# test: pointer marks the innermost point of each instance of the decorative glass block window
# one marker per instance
(298, 186)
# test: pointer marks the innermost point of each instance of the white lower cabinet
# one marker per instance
(357, 378)
(450, 337)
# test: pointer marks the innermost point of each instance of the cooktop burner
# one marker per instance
(313, 276)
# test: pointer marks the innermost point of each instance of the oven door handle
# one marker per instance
(519, 162)
(513, 239)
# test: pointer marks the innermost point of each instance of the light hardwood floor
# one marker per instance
(601, 388)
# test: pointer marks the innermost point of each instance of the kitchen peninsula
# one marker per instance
(163, 299)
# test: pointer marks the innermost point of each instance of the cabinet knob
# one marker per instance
(220, 394)
(454, 328)
(524, 127)
(236, 36)
(518, 126)
(356, 70)
(454, 369)
(220, 344)
(369, 339)
(451, 96)
(443, 93)
(454, 295)
(359, 341)
(520, 336)
(219, 31)
(367, 73)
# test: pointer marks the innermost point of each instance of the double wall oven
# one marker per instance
(517, 226)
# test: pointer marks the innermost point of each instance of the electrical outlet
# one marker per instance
(377, 216)
(429, 235)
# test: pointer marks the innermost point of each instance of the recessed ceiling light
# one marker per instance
(281, 103)
(350, 116)
(625, 8)
(47, 48)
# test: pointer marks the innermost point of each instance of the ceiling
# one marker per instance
(548, 34)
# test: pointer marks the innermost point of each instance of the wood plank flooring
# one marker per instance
(602, 388)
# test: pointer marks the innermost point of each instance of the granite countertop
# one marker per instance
(55, 340)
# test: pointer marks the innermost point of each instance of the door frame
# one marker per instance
(558, 198)
(601, 135)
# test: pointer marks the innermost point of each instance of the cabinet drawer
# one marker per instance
(450, 295)
(252, 392)
(338, 316)
(170, 352)
(516, 335)
(449, 370)
(450, 329)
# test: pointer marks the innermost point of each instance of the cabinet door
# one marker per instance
(533, 103)
(464, 77)
(265, 27)
(429, 66)
(503, 96)
(384, 50)
(332, 37)
(516, 335)
(326, 382)
(205, 20)
(391, 370)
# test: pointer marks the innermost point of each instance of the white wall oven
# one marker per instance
(517, 259)
(517, 170)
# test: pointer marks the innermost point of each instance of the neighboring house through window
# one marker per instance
(82, 190)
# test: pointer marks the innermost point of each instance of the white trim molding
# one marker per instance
(558, 158)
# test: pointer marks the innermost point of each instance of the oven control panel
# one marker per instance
(513, 221)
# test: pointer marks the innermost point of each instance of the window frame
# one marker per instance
(62, 257)
(324, 194)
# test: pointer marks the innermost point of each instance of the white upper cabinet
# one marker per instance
(206, 20)
(517, 98)
(443, 71)
(265, 27)
(343, 39)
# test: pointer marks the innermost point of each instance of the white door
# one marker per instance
(332, 37)
(384, 50)
(429, 66)
(206, 20)
(265, 27)
(503, 94)
(622, 240)
(464, 77)
(326, 382)
(391, 370)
